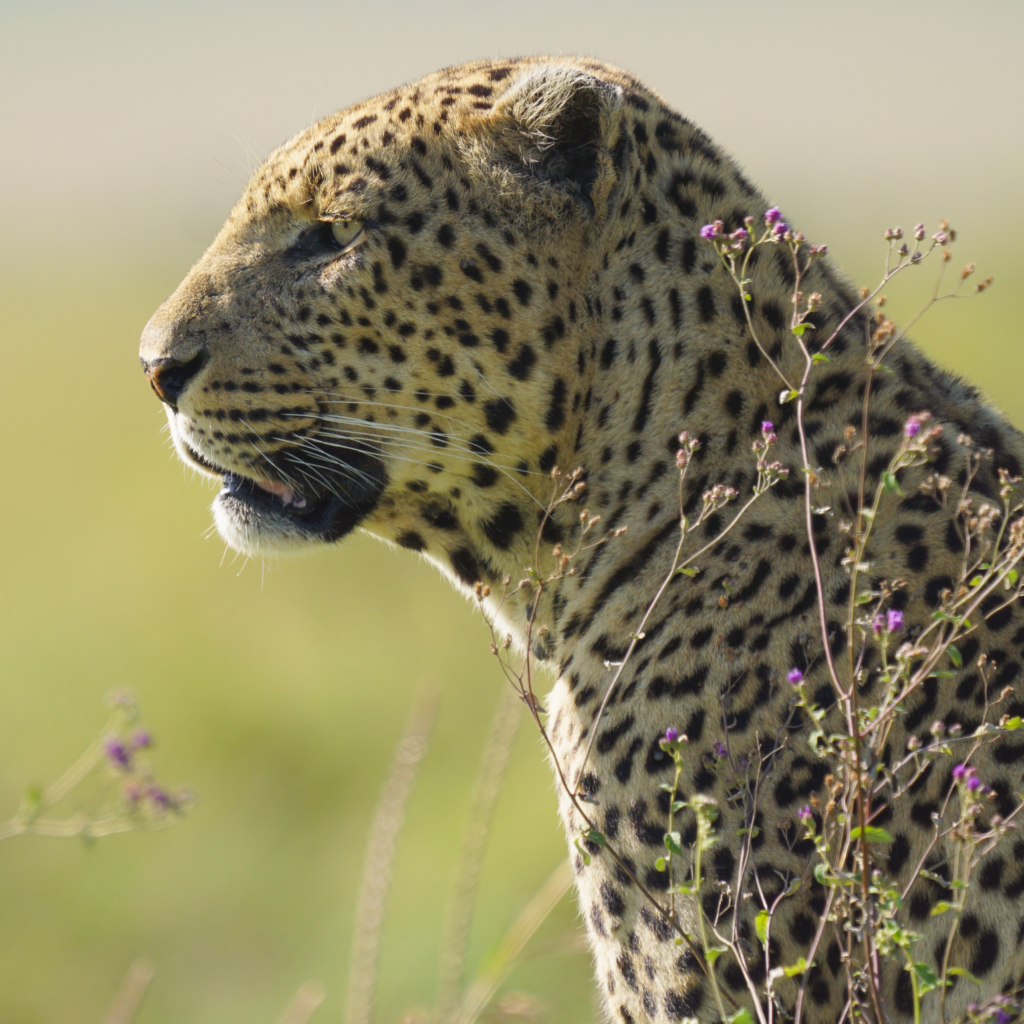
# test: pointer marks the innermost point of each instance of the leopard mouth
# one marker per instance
(258, 515)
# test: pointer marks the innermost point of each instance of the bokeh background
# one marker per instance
(278, 691)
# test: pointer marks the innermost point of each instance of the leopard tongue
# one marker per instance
(283, 492)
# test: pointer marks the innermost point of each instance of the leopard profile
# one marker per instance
(425, 303)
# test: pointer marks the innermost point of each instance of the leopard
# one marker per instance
(428, 306)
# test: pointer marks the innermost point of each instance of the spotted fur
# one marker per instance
(531, 292)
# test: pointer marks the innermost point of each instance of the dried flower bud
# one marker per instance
(966, 272)
(919, 232)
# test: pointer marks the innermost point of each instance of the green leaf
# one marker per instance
(689, 571)
(941, 907)
(595, 837)
(741, 1016)
(799, 967)
(661, 864)
(672, 841)
(821, 873)
(788, 396)
(955, 656)
(976, 582)
(1012, 724)
(820, 357)
(926, 979)
(964, 973)
(712, 953)
(583, 853)
(799, 330)
(889, 481)
(864, 597)
(761, 927)
(872, 835)
(1012, 577)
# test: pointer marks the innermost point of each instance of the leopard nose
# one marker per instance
(169, 377)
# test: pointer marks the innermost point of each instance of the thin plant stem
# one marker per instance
(380, 856)
(505, 955)
(497, 751)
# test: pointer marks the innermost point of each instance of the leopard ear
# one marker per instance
(561, 126)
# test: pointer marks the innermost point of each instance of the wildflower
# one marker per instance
(913, 743)
(720, 749)
(1002, 1017)
(671, 735)
(796, 677)
(117, 753)
(738, 235)
(877, 623)
(159, 797)
(804, 814)
(973, 783)
(772, 216)
(959, 772)
(912, 427)
(141, 739)
(712, 231)
(894, 620)
(779, 230)
(919, 232)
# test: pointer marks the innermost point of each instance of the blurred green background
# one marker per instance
(277, 692)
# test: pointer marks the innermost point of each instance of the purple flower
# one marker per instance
(796, 677)
(1002, 1017)
(117, 753)
(913, 426)
(974, 783)
(773, 215)
(877, 623)
(142, 739)
(739, 235)
(767, 427)
(780, 229)
(159, 797)
(894, 620)
(959, 771)
(709, 231)
(720, 749)
(671, 735)
(804, 814)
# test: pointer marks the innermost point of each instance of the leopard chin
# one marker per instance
(257, 519)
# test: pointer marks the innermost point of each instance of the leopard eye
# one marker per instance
(348, 233)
